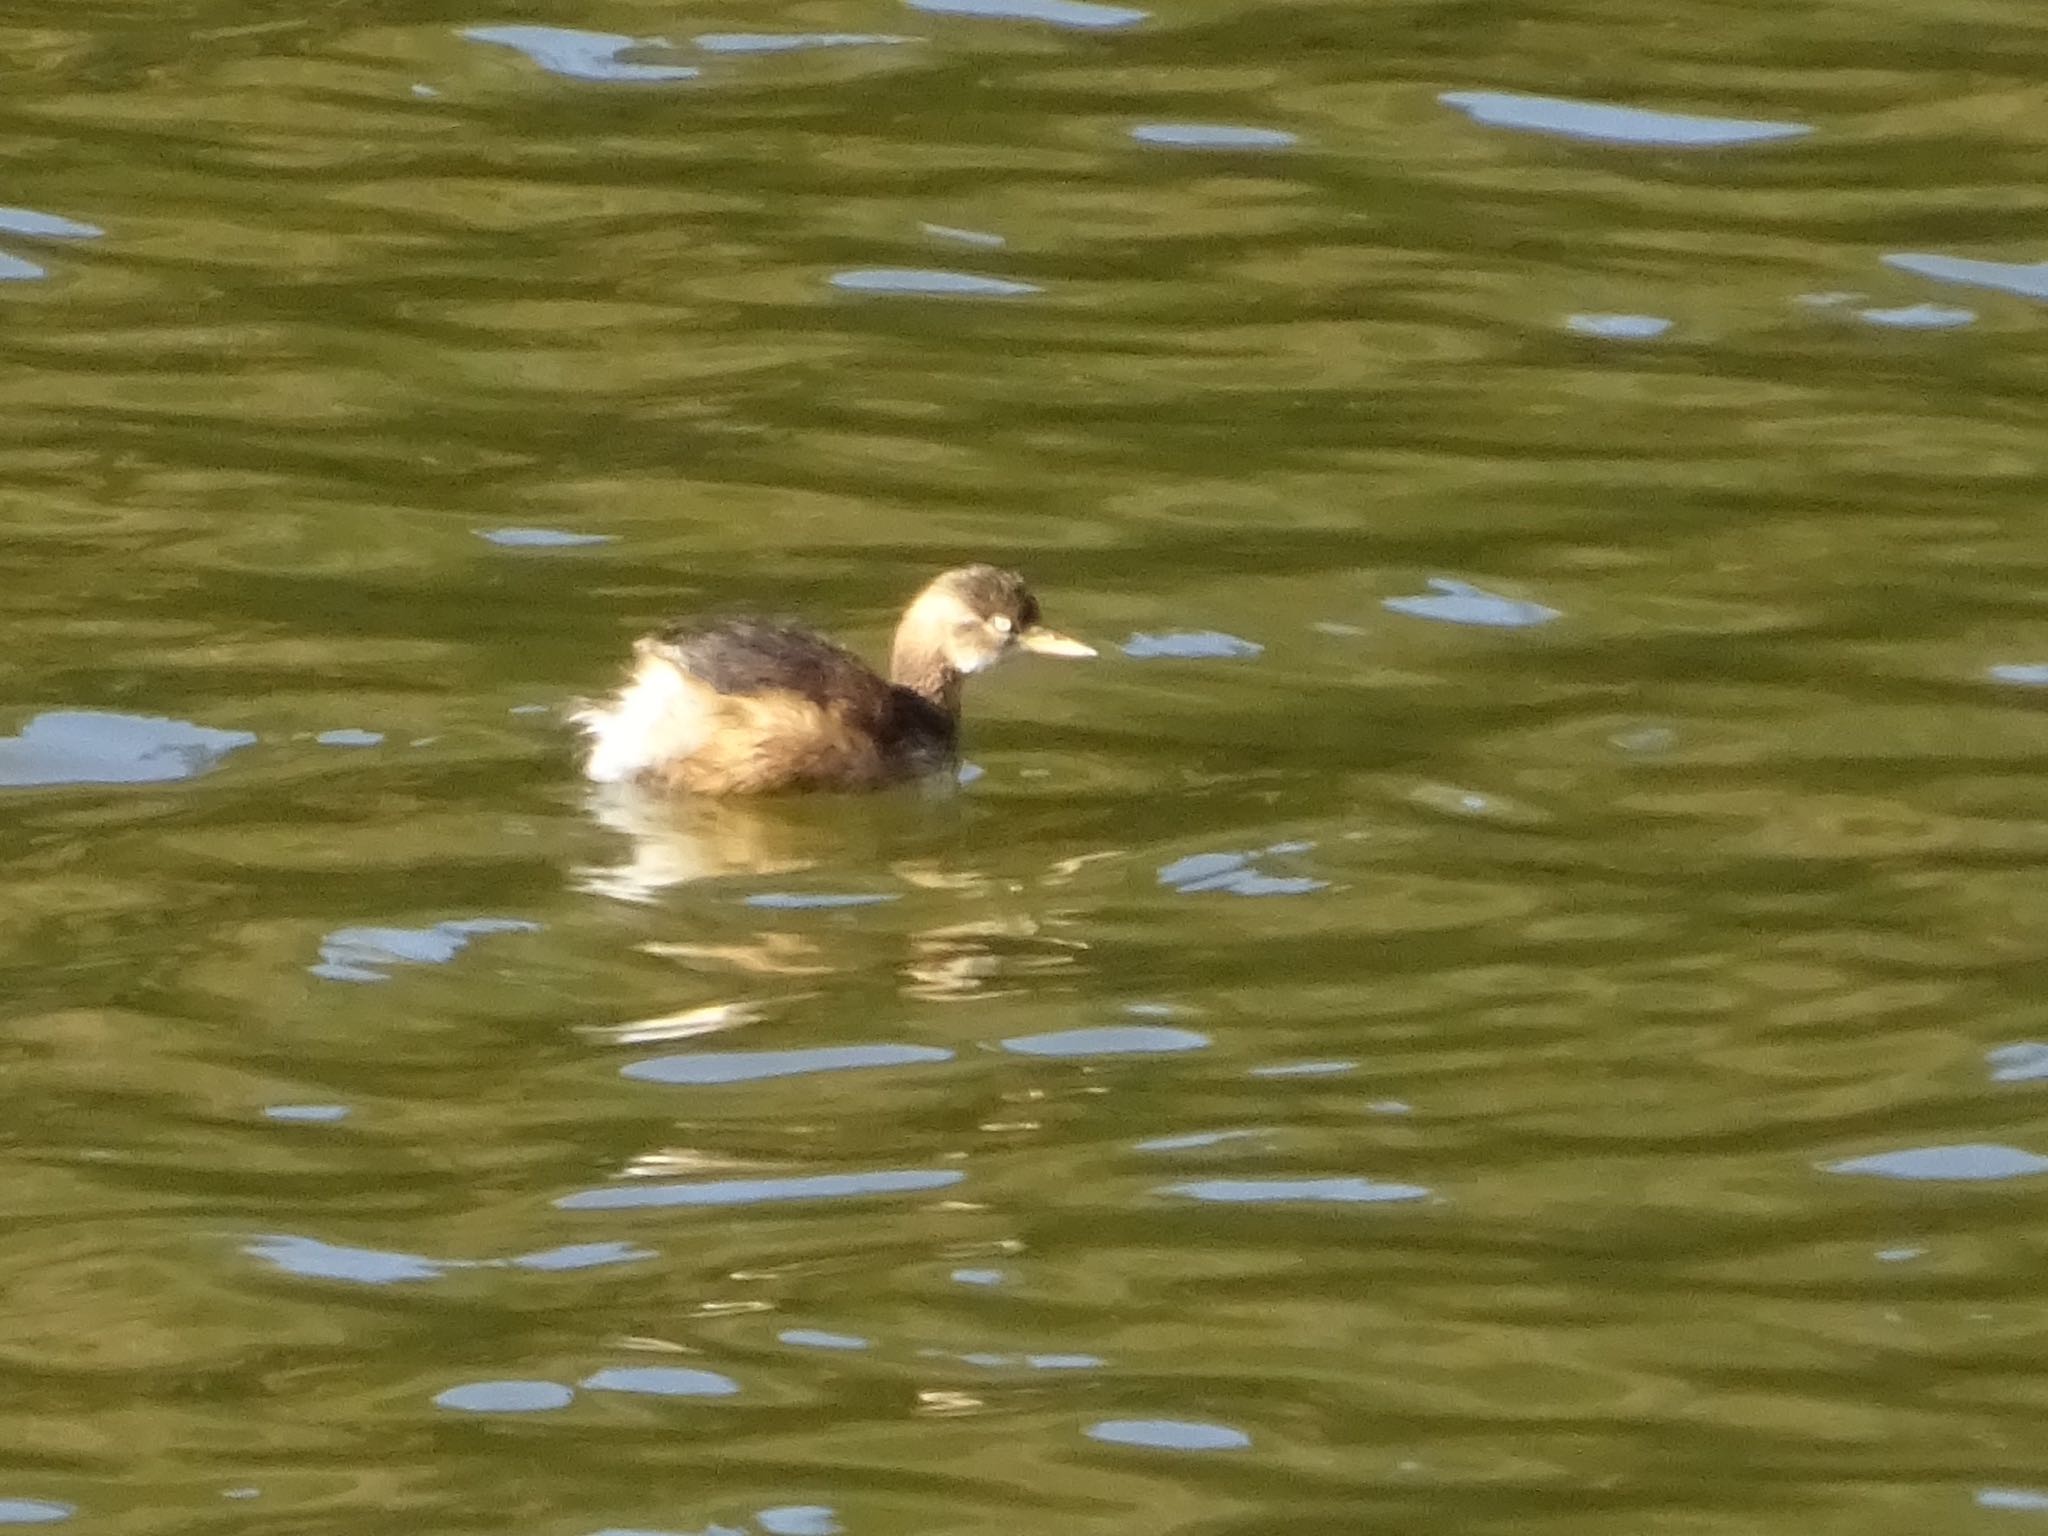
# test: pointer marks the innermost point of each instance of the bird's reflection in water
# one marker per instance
(994, 957)
(674, 842)
(677, 840)
(772, 953)
(689, 1024)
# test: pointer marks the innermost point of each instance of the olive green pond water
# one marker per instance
(1512, 997)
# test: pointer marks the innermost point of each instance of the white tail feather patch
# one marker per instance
(654, 718)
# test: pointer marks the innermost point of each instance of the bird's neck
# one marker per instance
(916, 662)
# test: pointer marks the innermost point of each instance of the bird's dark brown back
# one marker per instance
(797, 711)
(738, 657)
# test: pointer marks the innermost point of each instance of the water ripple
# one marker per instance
(724, 1192)
(26, 221)
(792, 42)
(1187, 645)
(358, 954)
(1612, 124)
(1192, 1140)
(506, 1397)
(47, 226)
(1617, 328)
(583, 55)
(1968, 1163)
(314, 1260)
(710, 1067)
(580, 1256)
(816, 901)
(799, 1520)
(975, 237)
(1080, 14)
(1306, 1069)
(306, 1114)
(540, 538)
(1459, 602)
(1170, 1435)
(1919, 317)
(2024, 1061)
(311, 1259)
(93, 747)
(1233, 872)
(1221, 136)
(1318, 1191)
(2032, 1500)
(2029, 281)
(1108, 1040)
(930, 283)
(813, 1338)
(661, 1381)
(34, 1512)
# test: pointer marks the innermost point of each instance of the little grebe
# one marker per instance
(747, 706)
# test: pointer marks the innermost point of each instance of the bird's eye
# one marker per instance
(1002, 624)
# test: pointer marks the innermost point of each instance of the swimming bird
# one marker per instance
(756, 706)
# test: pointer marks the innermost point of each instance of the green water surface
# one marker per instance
(1550, 1057)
